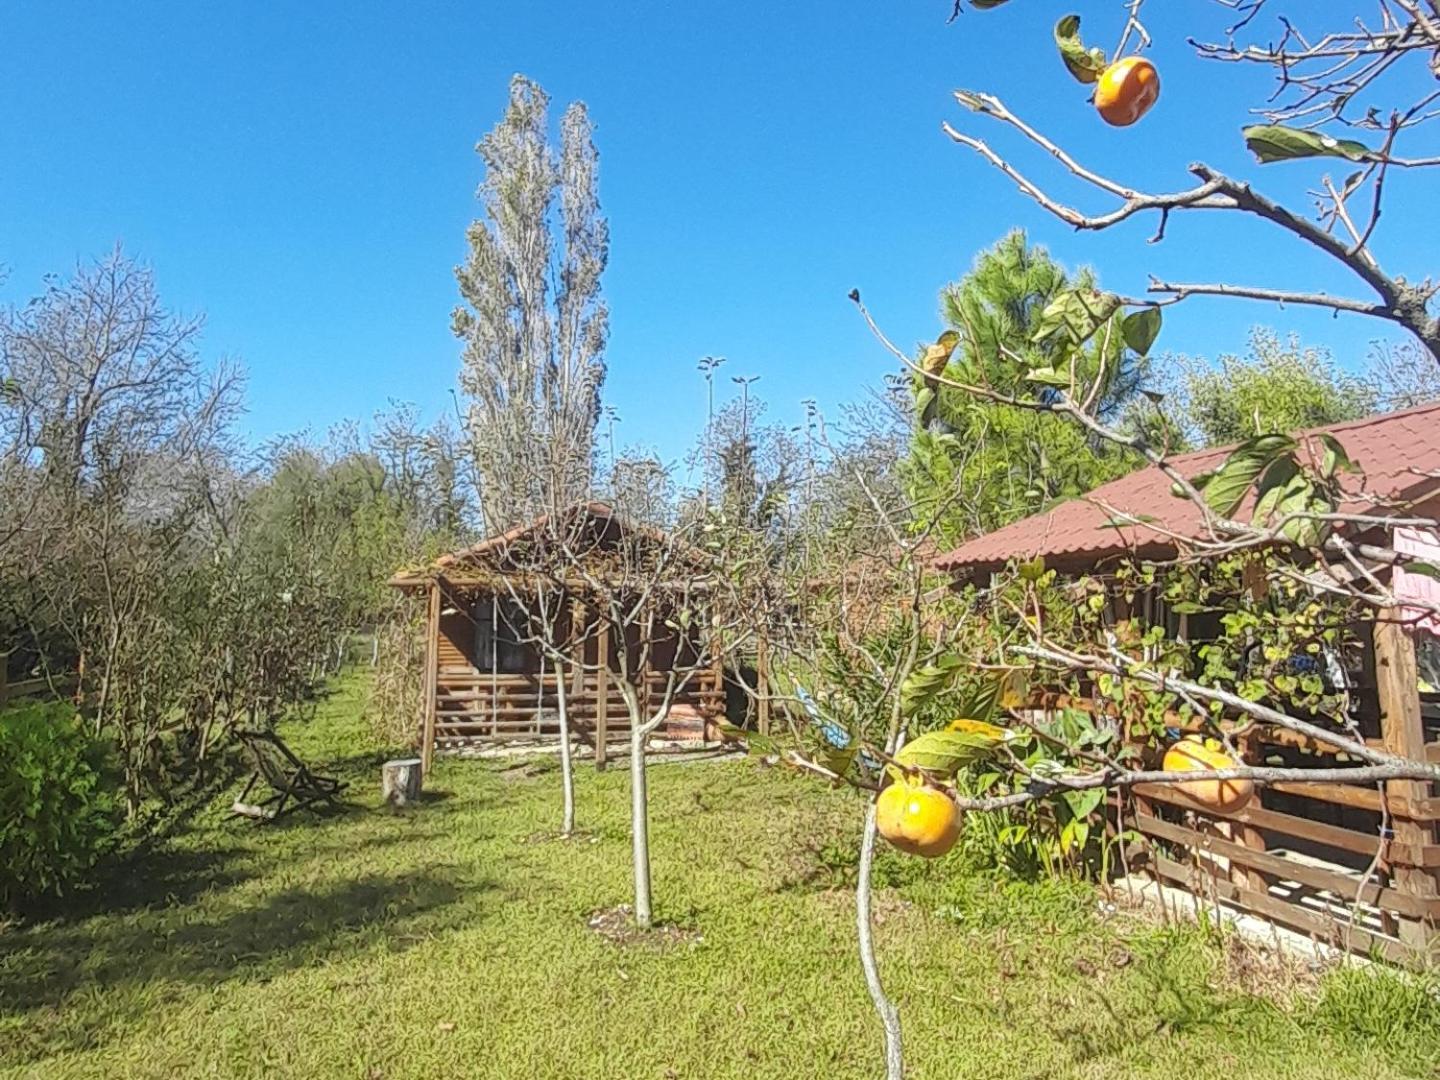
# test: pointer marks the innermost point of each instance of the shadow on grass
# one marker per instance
(106, 966)
(1168, 998)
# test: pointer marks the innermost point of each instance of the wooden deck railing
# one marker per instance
(9, 691)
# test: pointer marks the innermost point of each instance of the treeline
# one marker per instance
(171, 580)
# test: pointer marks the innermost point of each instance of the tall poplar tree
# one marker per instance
(533, 321)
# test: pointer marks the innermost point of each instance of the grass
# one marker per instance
(452, 940)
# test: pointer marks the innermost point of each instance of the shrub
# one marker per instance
(57, 790)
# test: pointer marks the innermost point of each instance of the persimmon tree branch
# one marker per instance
(1399, 302)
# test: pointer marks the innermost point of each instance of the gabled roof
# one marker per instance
(1394, 451)
(591, 526)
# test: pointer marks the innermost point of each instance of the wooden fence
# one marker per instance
(42, 687)
(1355, 866)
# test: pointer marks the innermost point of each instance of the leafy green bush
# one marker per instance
(57, 791)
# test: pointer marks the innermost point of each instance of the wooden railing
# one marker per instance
(478, 707)
(41, 687)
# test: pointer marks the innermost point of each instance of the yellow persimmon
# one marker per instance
(917, 818)
(1192, 754)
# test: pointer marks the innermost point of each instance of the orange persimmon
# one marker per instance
(1126, 90)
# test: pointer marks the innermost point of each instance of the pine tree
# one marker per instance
(981, 464)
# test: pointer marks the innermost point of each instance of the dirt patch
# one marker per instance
(617, 926)
(528, 770)
(1268, 971)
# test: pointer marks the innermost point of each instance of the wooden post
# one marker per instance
(1251, 753)
(762, 684)
(432, 670)
(717, 677)
(1402, 732)
(577, 641)
(602, 689)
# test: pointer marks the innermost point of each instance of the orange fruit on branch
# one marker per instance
(1126, 90)
(1192, 754)
(917, 818)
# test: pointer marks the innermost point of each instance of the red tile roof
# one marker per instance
(1393, 450)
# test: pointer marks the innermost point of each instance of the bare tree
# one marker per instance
(649, 613)
(533, 321)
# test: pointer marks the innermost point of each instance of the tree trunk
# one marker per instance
(889, 1015)
(639, 822)
(400, 781)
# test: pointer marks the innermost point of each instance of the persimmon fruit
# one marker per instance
(917, 818)
(1126, 90)
(1193, 753)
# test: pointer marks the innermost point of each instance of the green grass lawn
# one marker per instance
(451, 941)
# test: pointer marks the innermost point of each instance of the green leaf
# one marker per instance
(1273, 142)
(1335, 458)
(1119, 522)
(1032, 570)
(1048, 376)
(981, 701)
(1084, 64)
(1225, 488)
(1141, 328)
(755, 743)
(946, 752)
(1074, 316)
(929, 682)
(1277, 479)
(840, 761)
(1191, 607)
(923, 400)
(1083, 803)
(1424, 569)
(986, 5)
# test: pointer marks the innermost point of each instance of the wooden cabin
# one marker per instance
(489, 677)
(1342, 863)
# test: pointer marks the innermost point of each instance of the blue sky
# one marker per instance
(303, 174)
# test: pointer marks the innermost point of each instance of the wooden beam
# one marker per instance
(602, 688)
(432, 666)
(1397, 684)
(762, 684)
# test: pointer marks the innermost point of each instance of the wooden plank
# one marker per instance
(499, 680)
(1324, 927)
(1316, 832)
(1319, 877)
(432, 634)
(1397, 684)
(1360, 798)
